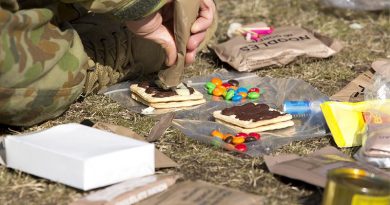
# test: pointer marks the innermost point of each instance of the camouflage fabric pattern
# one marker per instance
(124, 9)
(42, 69)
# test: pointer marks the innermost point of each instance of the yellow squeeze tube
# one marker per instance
(346, 122)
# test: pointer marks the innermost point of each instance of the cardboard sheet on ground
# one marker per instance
(198, 122)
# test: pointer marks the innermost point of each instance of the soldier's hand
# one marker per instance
(154, 27)
(158, 27)
(199, 28)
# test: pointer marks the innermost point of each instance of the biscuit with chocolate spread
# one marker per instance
(269, 127)
(251, 115)
(162, 105)
(151, 93)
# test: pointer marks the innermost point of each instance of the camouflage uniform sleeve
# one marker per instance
(124, 9)
(42, 69)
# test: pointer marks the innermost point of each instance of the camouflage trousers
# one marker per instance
(42, 69)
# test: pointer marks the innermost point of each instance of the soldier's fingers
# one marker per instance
(151, 28)
(163, 37)
(190, 57)
(195, 40)
(206, 16)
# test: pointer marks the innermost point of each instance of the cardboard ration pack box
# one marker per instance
(79, 156)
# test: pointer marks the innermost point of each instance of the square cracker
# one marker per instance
(175, 104)
(149, 97)
(274, 126)
(249, 124)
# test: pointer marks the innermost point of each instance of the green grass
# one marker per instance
(199, 161)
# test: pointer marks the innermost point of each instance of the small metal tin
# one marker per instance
(351, 186)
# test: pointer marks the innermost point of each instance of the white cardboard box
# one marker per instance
(80, 156)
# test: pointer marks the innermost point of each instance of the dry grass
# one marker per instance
(199, 161)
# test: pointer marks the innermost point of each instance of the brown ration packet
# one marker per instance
(202, 193)
(313, 168)
(279, 48)
(184, 15)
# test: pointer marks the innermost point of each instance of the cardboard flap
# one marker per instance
(185, 14)
(329, 151)
(2, 151)
(160, 127)
(271, 161)
(334, 44)
(354, 91)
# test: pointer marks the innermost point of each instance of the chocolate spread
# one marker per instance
(253, 112)
(152, 88)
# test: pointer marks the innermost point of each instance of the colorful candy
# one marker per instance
(230, 90)
(229, 140)
(218, 92)
(255, 135)
(238, 140)
(210, 86)
(216, 81)
(241, 147)
(236, 98)
(229, 95)
(241, 134)
(242, 89)
(233, 82)
(216, 133)
(243, 94)
(250, 139)
(227, 85)
(257, 90)
(253, 95)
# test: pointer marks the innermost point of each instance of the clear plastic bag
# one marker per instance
(366, 5)
(198, 122)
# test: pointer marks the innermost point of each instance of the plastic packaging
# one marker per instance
(367, 5)
(376, 140)
(302, 108)
(347, 121)
(198, 122)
